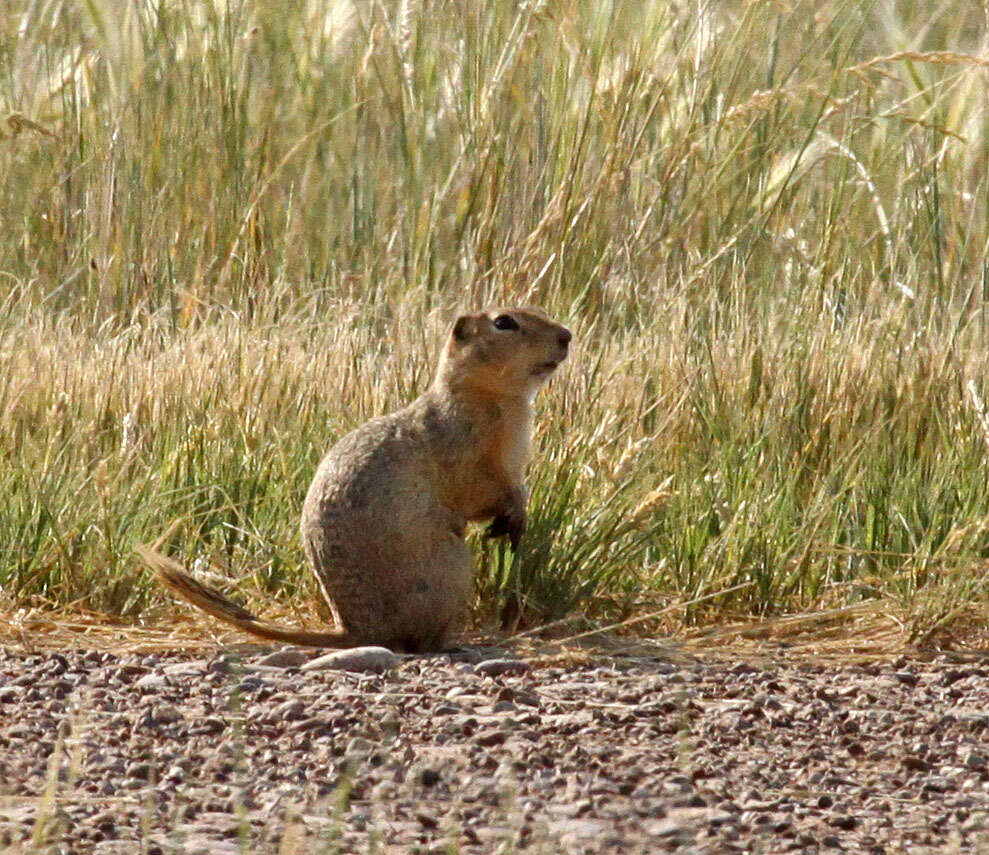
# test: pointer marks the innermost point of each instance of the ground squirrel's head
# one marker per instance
(503, 351)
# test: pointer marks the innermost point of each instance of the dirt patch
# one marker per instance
(479, 752)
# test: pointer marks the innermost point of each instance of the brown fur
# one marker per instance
(383, 522)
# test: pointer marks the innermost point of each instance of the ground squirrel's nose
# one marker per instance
(564, 337)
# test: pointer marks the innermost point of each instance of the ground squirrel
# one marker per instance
(383, 522)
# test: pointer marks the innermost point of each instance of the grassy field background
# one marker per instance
(232, 231)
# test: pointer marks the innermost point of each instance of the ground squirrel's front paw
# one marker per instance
(511, 523)
(498, 527)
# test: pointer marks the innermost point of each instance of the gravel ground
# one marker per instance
(475, 752)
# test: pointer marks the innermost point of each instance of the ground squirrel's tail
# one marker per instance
(172, 574)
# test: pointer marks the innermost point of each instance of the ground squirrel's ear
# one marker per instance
(463, 328)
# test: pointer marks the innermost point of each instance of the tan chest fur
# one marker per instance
(479, 482)
(512, 441)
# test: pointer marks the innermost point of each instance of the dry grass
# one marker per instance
(232, 235)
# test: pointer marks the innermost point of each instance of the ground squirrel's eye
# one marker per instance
(505, 322)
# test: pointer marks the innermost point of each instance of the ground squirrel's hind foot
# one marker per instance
(214, 603)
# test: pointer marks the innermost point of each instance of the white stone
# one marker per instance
(373, 659)
(289, 658)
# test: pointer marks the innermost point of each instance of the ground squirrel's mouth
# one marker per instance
(544, 368)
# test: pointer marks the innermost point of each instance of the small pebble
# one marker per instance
(498, 667)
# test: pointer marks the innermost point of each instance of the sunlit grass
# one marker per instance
(232, 232)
